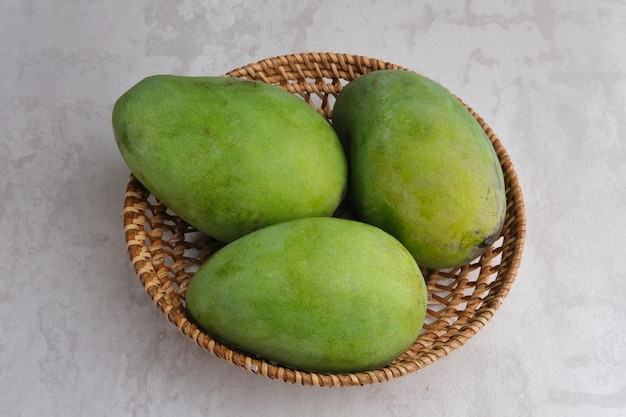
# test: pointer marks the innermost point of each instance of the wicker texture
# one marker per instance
(165, 251)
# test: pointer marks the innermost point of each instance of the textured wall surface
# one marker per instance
(78, 334)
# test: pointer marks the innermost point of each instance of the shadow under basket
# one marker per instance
(165, 251)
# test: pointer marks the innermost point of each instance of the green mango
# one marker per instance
(228, 155)
(421, 166)
(322, 294)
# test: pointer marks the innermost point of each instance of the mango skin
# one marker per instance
(325, 295)
(421, 167)
(228, 155)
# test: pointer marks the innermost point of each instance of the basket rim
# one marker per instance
(317, 66)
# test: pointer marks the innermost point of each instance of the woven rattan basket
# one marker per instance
(165, 251)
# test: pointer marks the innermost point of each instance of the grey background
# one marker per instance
(78, 334)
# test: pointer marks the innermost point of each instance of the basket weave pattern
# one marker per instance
(165, 251)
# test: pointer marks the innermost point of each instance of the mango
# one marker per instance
(227, 155)
(324, 294)
(421, 166)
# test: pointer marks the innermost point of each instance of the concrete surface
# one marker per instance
(78, 334)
